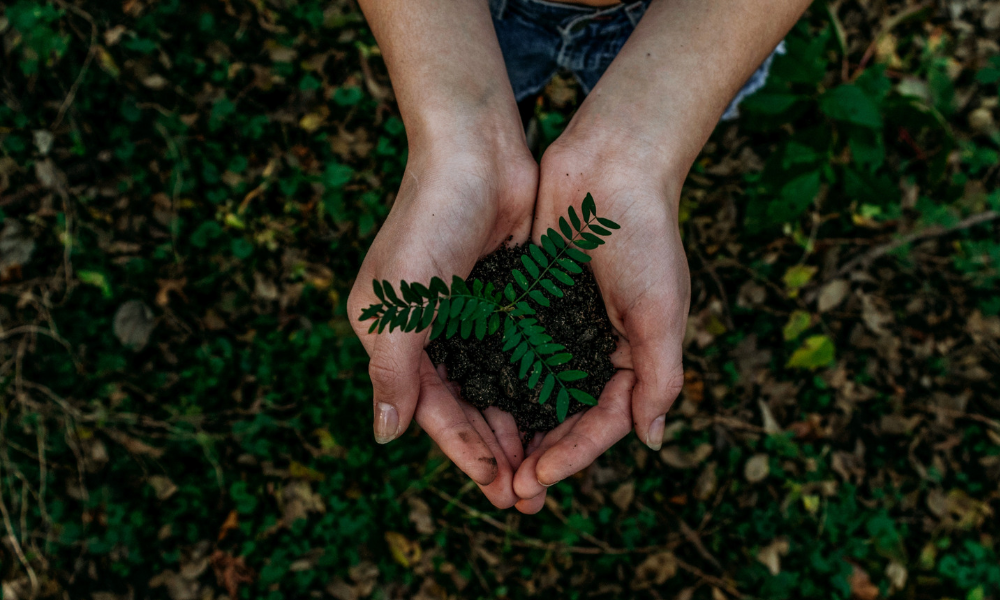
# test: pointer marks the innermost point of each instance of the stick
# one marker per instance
(929, 232)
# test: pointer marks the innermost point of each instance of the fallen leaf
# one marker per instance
(757, 468)
(861, 584)
(798, 322)
(155, 82)
(166, 287)
(797, 277)
(232, 522)
(817, 351)
(16, 248)
(897, 574)
(655, 570)
(677, 458)
(770, 555)
(162, 485)
(133, 324)
(231, 572)
(771, 426)
(623, 496)
(420, 516)
(404, 551)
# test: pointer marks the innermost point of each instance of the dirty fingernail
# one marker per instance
(654, 439)
(386, 422)
(547, 485)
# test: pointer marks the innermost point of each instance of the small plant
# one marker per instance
(479, 309)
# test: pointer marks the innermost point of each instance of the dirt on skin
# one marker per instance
(484, 372)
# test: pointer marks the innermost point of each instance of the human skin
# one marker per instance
(630, 144)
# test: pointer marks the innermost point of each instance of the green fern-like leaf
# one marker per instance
(474, 308)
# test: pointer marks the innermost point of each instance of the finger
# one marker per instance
(441, 416)
(505, 429)
(526, 480)
(531, 506)
(395, 371)
(501, 490)
(455, 389)
(597, 430)
(621, 358)
(656, 353)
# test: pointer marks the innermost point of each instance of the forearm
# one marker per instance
(446, 67)
(678, 71)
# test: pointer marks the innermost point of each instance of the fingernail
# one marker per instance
(654, 439)
(386, 422)
(547, 485)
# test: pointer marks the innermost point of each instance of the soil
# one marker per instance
(484, 372)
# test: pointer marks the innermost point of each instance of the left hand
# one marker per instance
(643, 276)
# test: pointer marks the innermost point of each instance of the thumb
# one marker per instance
(395, 373)
(657, 359)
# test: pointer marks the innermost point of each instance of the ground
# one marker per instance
(187, 190)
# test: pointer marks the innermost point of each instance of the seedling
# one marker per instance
(475, 308)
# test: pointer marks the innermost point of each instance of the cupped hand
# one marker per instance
(643, 277)
(457, 203)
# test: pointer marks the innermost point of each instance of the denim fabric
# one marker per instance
(538, 38)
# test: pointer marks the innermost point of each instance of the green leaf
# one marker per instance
(577, 255)
(600, 230)
(477, 288)
(519, 352)
(390, 294)
(444, 311)
(556, 238)
(582, 397)
(558, 359)
(97, 280)
(371, 311)
(415, 315)
(470, 307)
(536, 373)
(511, 341)
(452, 328)
(547, 386)
(551, 287)
(562, 277)
(480, 328)
(562, 404)
(538, 255)
(570, 265)
(520, 279)
(458, 286)
(549, 348)
(526, 361)
(428, 317)
(817, 351)
(467, 328)
(549, 245)
(848, 102)
(571, 375)
(530, 266)
(438, 286)
(797, 324)
(539, 297)
(525, 308)
(564, 227)
(437, 330)
(420, 290)
(494, 323)
(796, 277)
(408, 294)
(456, 306)
(608, 223)
(378, 290)
(508, 292)
(574, 218)
(373, 327)
(400, 320)
(589, 208)
(585, 244)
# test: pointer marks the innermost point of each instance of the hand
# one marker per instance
(643, 276)
(459, 201)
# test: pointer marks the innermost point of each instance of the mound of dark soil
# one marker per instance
(578, 321)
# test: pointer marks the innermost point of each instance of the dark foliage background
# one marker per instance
(186, 192)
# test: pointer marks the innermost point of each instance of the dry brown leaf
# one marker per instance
(133, 324)
(420, 516)
(623, 496)
(677, 458)
(166, 287)
(770, 555)
(404, 551)
(231, 572)
(655, 570)
(232, 522)
(757, 468)
(832, 295)
(862, 587)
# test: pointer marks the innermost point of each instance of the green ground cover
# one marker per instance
(187, 190)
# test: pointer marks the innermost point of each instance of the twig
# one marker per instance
(718, 283)
(929, 232)
(17, 546)
(86, 63)
(711, 579)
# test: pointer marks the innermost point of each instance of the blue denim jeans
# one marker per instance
(538, 38)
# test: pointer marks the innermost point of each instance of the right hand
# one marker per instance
(459, 201)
